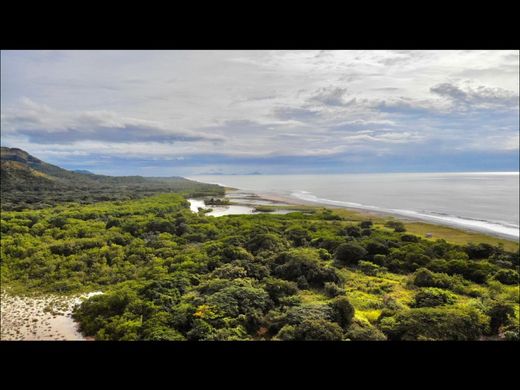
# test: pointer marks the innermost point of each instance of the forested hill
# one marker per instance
(28, 182)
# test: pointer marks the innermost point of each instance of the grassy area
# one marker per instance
(452, 235)
(457, 236)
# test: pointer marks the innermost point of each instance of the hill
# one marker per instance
(28, 182)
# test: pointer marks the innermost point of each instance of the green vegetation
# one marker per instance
(28, 182)
(216, 201)
(264, 209)
(170, 274)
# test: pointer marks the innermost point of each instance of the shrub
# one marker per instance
(366, 232)
(278, 288)
(366, 224)
(480, 251)
(353, 231)
(298, 236)
(349, 253)
(409, 238)
(369, 268)
(376, 247)
(379, 260)
(229, 271)
(507, 276)
(318, 330)
(361, 331)
(333, 290)
(426, 278)
(398, 226)
(431, 296)
(433, 323)
(500, 315)
(302, 266)
(342, 311)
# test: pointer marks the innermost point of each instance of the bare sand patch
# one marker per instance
(47, 317)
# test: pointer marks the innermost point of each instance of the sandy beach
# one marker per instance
(277, 199)
(47, 317)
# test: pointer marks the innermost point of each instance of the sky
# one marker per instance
(169, 113)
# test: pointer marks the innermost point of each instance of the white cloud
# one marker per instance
(257, 103)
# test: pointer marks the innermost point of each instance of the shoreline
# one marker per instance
(284, 199)
(42, 317)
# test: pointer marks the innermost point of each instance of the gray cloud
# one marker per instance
(43, 125)
(127, 133)
(294, 113)
(159, 104)
(331, 96)
(482, 96)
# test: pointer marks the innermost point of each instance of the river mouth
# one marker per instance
(47, 317)
(243, 203)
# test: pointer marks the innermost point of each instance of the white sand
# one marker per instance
(39, 318)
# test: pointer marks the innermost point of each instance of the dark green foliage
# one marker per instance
(359, 331)
(303, 267)
(480, 251)
(425, 278)
(366, 224)
(278, 288)
(28, 182)
(298, 236)
(507, 276)
(342, 311)
(376, 247)
(431, 297)
(333, 290)
(434, 323)
(398, 226)
(312, 330)
(170, 274)
(379, 260)
(353, 231)
(409, 238)
(500, 315)
(349, 253)
(369, 268)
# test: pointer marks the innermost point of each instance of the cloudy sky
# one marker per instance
(165, 113)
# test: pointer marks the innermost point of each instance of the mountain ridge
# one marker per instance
(29, 182)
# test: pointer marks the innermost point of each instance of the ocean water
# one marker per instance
(487, 202)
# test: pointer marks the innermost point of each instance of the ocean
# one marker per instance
(486, 202)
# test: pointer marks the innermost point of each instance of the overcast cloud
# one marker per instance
(166, 113)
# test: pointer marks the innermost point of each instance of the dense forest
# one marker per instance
(170, 274)
(28, 182)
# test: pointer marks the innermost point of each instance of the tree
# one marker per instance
(278, 288)
(353, 231)
(333, 290)
(342, 311)
(298, 236)
(303, 266)
(507, 276)
(500, 315)
(480, 251)
(398, 226)
(425, 278)
(312, 330)
(363, 331)
(431, 296)
(366, 224)
(349, 253)
(434, 323)
(376, 247)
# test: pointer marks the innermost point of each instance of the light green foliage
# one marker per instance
(431, 296)
(170, 274)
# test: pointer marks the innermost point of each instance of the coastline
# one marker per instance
(281, 199)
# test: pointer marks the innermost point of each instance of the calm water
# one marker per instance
(486, 202)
